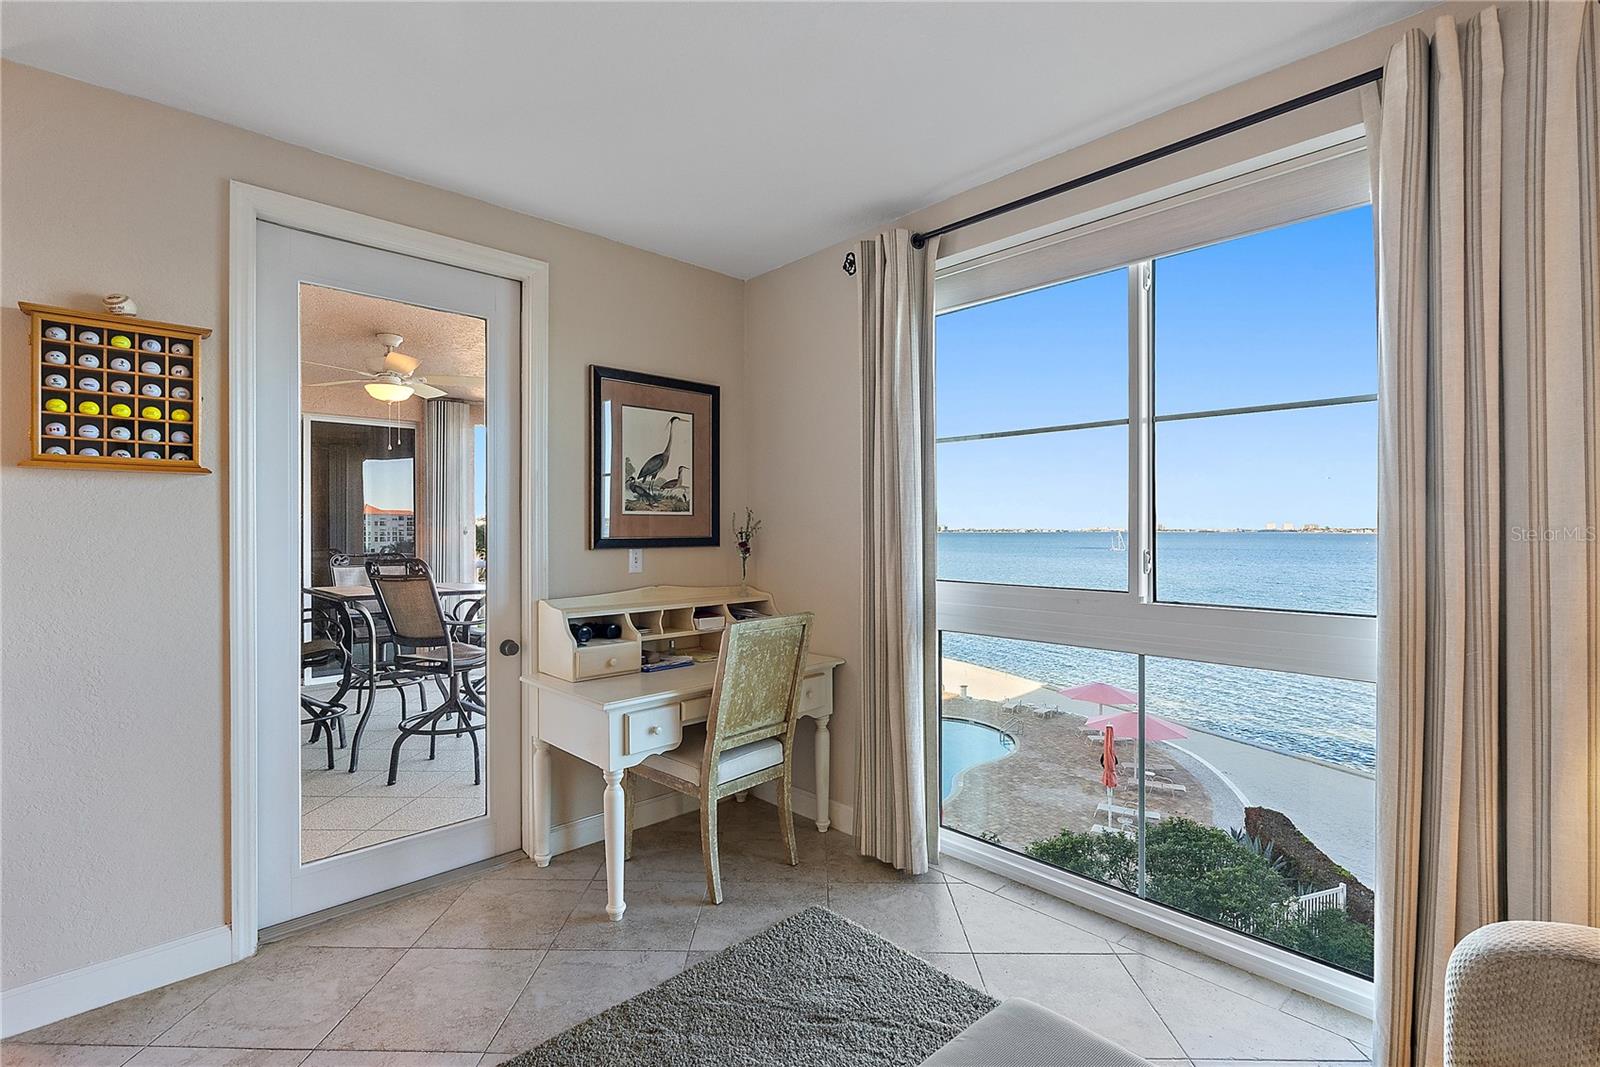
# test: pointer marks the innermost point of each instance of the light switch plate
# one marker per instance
(635, 560)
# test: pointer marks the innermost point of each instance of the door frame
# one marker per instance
(248, 205)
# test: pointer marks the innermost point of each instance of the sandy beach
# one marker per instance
(1053, 775)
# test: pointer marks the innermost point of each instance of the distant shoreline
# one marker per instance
(1366, 530)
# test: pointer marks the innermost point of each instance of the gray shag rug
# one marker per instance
(815, 990)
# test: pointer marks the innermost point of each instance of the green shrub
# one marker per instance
(1331, 936)
(1208, 872)
(1109, 858)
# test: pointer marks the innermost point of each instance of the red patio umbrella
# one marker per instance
(1108, 770)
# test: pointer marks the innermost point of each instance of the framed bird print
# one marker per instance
(656, 460)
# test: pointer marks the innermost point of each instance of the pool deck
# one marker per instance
(1333, 806)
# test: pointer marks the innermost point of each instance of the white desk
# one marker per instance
(614, 723)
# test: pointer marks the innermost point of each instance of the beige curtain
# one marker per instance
(1486, 188)
(449, 541)
(892, 813)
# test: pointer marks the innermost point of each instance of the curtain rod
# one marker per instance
(918, 240)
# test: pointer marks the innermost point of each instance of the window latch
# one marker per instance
(1147, 560)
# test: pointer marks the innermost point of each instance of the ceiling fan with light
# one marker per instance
(398, 380)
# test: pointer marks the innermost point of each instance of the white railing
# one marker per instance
(1322, 900)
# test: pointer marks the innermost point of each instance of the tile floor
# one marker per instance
(341, 812)
(468, 974)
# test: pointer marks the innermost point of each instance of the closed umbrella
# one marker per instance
(1108, 770)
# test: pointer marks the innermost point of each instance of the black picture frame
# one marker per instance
(604, 533)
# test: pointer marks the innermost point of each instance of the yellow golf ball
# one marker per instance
(55, 404)
(121, 340)
(121, 411)
(151, 412)
(88, 407)
(180, 415)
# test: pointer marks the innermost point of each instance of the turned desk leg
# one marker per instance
(541, 803)
(824, 761)
(615, 832)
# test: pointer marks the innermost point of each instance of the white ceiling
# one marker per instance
(736, 136)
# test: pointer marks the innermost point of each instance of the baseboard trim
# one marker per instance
(63, 995)
(567, 836)
(841, 816)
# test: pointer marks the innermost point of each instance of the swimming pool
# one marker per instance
(963, 744)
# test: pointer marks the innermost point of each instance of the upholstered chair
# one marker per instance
(1523, 994)
(748, 737)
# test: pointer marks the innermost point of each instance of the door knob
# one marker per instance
(508, 647)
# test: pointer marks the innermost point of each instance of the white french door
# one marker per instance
(294, 878)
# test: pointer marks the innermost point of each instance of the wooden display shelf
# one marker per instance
(41, 317)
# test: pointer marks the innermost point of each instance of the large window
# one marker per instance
(1156, 491)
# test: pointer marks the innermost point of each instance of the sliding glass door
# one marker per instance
(1156, 493)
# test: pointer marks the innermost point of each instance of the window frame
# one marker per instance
(1326, 644)
(1318, 643)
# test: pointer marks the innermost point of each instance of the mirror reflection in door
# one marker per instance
(394, 691)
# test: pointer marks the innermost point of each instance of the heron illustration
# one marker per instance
(658, 462)
(676, 482)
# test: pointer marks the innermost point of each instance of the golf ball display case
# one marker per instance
(114, 392)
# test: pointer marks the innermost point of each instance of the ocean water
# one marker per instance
(1326, 718)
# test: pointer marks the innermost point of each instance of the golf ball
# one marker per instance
(180, 415)
(121, 387)
(55, 356)
(121, 411)
(180, 455)
(89, 430)
(88, 450)
(150, 366)
(149, 453)
(150, 389)
(88, 359)
(121, 453)
(150, 411)
(121, 340)
(56, 381)
(180, 370)
(55, 429)
(55, 333)
(121, 363)
(55, 403)
(122, 433)
(91, 384)
(180, 392)
(55, 450)
(181, 436)
(151, 434)
(88, 407)
(89, 337)
(150, 344)
(179, 348)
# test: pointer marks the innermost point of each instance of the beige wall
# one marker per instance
(114, 659)
(803, 356)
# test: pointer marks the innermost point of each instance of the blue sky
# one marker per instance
(1284, 315)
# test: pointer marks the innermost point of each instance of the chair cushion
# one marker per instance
(684, 761)
(1019, 1031)
(466, 655)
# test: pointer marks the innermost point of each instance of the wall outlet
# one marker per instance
(635, 560)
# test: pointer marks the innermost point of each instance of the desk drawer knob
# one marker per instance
(612, 662)
(653, 730)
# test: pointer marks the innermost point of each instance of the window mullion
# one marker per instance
(1141, 536)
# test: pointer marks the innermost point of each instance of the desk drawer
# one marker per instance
(696, 710)
(651, 730)
(816, 693)
(604, 660)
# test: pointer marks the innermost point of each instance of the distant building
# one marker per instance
(1272, 526)
(388, 530)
